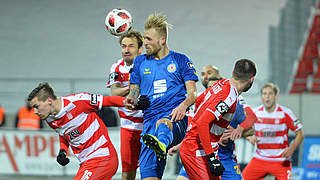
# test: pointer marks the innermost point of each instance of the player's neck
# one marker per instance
(128, 62)
(271, 108)
(237, 84)
(162, 53)
(56, 106)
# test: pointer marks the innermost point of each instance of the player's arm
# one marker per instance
(117, 90)
(248, 132)
(179, 112)
(62, 155)
(115, 101)
(251, 118)
(297, 141)
(133, 95)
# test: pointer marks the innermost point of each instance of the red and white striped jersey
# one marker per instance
(214, 111)
(79, 126)
(271, 130)
(119, 73)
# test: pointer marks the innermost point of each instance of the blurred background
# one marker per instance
(66, 44)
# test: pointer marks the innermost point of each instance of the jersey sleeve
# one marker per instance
(188, 70)
(135, 71)
(113, 76)
(292, 121)
(251, 118)
(64, 144)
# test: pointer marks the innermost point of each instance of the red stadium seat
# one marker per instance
(305, 66)
(299, 84)
(310, 51)
(316, 84)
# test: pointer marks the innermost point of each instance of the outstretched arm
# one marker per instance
(179, 112)
(117, 90)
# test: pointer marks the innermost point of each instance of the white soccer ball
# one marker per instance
(118, 21)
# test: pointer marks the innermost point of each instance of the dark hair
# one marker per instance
(244, 69)
(133, 34)
(273, 86)
(214, 78)
(43, 91)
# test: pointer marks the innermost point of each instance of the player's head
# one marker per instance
(131, 45)
(244, 71)
(207, 72)
(41, 99)
(269, 95)
(155, 33)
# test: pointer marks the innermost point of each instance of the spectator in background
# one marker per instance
(2, 116)
(26, 119)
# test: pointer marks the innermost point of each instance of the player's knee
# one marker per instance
(165, 121)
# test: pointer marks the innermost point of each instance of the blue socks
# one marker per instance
(164, 134)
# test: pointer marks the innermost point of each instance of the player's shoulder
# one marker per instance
(283, 109)
(78, 96)
(179, 56)
(119, 62)
(258, 108)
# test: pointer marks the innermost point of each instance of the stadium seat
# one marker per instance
(316, 81)
(305, 66)
(299, 84)
(310, 51)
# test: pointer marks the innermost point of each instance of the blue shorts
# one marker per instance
(148, 163)
(183, 172)
(232, 170)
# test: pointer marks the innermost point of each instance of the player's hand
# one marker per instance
(178, 113)
(252, 139)
(236, 133)
(174, 149)
(224, 139)
(288, 152)
(143, 102)
(215, 165)
(128, 103)
(62, 158)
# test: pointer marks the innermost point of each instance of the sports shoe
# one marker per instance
(158, 147)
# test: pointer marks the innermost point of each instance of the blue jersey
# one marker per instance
(226, 152)
(163, 81)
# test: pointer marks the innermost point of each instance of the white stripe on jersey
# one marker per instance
(71, 125)
(270, 127)
(99, 153)
(272, 140)
(62, 112)
(82, 155)
(275, 115)
(125, 123)
(270, 159)
(87, 134)
(130, 113)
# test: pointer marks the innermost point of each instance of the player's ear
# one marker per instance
(140, 50)
(163, 41)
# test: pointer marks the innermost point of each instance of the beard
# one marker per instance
(248, 87)
(205, 84)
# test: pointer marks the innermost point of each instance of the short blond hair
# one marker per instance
(159, 22)
(273, 86)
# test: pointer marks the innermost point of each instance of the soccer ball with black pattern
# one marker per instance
(118, 21)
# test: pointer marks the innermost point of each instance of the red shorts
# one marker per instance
(258, 169)
(130, 149)
(195, 166)
(99, 168)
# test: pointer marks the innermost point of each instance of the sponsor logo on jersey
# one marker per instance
(147, 71)
(191, 66)
(171, 68)
(73, 134)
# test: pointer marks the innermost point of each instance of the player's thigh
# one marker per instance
(130, 149)
(232, 170)
(195, 166)
(256, 169)
(99, 168)
(282, 170)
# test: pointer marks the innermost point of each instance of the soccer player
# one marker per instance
(131, 120)
(74, 118)
(243, 119)
(168, 79)
(271, 136)
(217, 106)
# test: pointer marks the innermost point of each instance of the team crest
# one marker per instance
(171, 68)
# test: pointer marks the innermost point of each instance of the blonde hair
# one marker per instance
(159, 22)
(273, 86)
